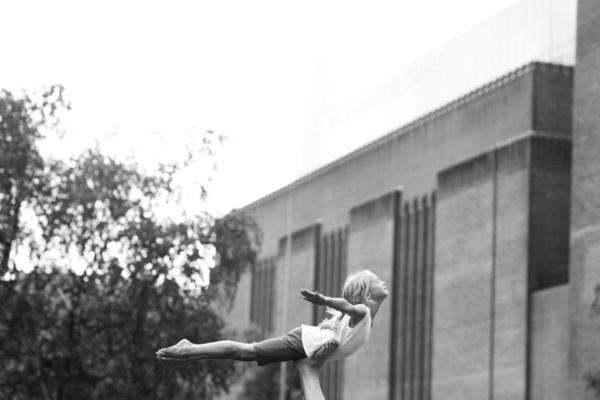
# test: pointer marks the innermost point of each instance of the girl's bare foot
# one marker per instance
(176, 351)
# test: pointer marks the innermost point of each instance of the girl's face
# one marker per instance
(377, 287)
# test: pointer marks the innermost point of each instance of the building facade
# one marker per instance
(483, 218)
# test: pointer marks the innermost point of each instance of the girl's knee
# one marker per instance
(245, 352)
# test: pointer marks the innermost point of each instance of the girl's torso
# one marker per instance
(351, 335)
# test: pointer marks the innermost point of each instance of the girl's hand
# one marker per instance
(315, 298)
(331, 345)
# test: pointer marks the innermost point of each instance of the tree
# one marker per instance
(109, 282)
(22, 122)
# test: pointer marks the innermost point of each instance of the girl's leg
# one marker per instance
(225, 349)
(181, 343)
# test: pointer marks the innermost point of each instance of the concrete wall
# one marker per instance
(549, 349)
(585, 226)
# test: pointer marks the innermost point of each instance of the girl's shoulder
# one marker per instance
(354, 321)
(366, 308)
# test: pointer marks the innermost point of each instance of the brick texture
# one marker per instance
(492, 251)
(585, 214)
(301, 274)
(370, 246)
(479, 273)
(549, 352)
(462, 287)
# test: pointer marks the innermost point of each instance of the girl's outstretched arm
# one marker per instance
(353, 310)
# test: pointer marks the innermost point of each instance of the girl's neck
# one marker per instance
(373, 307)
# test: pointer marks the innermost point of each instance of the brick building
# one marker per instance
(483, 216)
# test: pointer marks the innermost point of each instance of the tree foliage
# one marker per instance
(107, 281)
(22, 122)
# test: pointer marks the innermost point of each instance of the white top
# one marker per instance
(350, 339)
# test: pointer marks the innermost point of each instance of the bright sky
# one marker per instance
(245, 69)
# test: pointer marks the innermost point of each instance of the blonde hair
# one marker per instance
(355, 290)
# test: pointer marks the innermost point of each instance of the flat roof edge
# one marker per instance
(467, 98)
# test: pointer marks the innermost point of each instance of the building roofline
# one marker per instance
(437, 113)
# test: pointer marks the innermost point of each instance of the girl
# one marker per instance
(345, 332)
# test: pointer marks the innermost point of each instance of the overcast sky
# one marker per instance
(245, 69)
